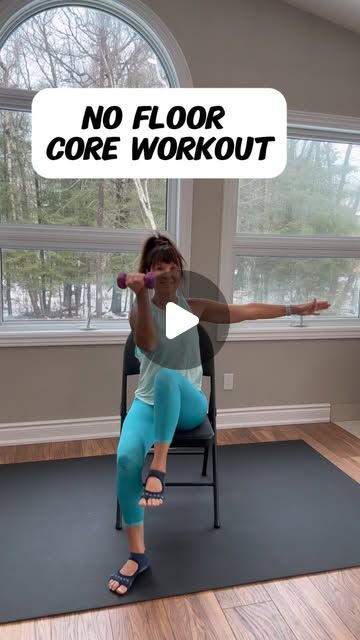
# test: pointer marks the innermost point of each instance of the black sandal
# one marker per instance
(143, 562)
(155, 494)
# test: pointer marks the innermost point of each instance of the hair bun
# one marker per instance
(157, 246)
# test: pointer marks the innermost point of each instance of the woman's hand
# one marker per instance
(310, 308)
(135, 281)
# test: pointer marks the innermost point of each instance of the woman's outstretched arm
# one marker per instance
(211, 311)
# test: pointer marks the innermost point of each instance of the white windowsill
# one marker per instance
(63, 333)
(14, 335)
(314, 329)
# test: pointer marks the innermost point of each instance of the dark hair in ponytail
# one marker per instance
(159, 248)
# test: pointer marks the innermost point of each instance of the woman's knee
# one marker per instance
(129, 461)
(164, 378)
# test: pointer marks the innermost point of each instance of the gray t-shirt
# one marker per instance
(167, 354)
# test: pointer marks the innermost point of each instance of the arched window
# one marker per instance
(103, 221)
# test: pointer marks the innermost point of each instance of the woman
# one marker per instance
(166, 398)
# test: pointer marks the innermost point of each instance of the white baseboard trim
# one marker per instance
(272, 416)
(17, 433)
(59, 430)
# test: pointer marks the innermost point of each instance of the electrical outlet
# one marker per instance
(228, 381)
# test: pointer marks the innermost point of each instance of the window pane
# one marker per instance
(318, 193)
(26, 197)
(74, 47)
(78, 47)
(65, 285)
(299, 280)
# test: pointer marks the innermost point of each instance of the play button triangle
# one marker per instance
(178, 320)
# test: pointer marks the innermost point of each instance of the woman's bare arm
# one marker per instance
(141, 322)
(221, 313)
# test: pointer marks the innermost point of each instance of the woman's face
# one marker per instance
(168, 276)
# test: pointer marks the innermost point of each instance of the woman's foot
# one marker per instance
(130, 567)
(121, 580)
(156, 485)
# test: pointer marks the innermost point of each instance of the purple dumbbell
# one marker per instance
(149, 280)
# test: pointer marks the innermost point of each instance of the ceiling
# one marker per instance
(343, 12)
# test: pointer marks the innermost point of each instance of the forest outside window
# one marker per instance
(65, 279)
(297, 237)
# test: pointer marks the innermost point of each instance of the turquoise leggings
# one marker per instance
(177, 405)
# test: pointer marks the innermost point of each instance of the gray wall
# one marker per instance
(232, 43)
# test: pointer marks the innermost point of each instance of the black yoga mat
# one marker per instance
(284, 511)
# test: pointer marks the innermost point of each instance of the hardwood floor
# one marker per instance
(322, 606)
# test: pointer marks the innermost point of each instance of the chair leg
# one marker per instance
(216, 495)
(118, 524)
(206, 455)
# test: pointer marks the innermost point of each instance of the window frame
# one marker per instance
(179, 192)
(307, 125)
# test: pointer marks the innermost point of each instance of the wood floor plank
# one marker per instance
(261, 621)
(343, 443)
(31, 452)
(347, 466)
(197, 616)
(90, 625)
(96, 447)
(354, 461)
(290, 432)
(347, 436)
(18, 631)
(230, 436)
(7, 454)
(241, 596)
(121, 622)
(270, 434)
(258, 434)
(306, 611)
(341, 589)
(69, 449)
(47, 451)
(143, 621)
(43, 626)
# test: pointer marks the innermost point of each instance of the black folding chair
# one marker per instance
(202, 437)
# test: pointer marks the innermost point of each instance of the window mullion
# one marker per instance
(296, 246)
(322, 126)
(306, 133)
(32, 236)
(16, 99)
